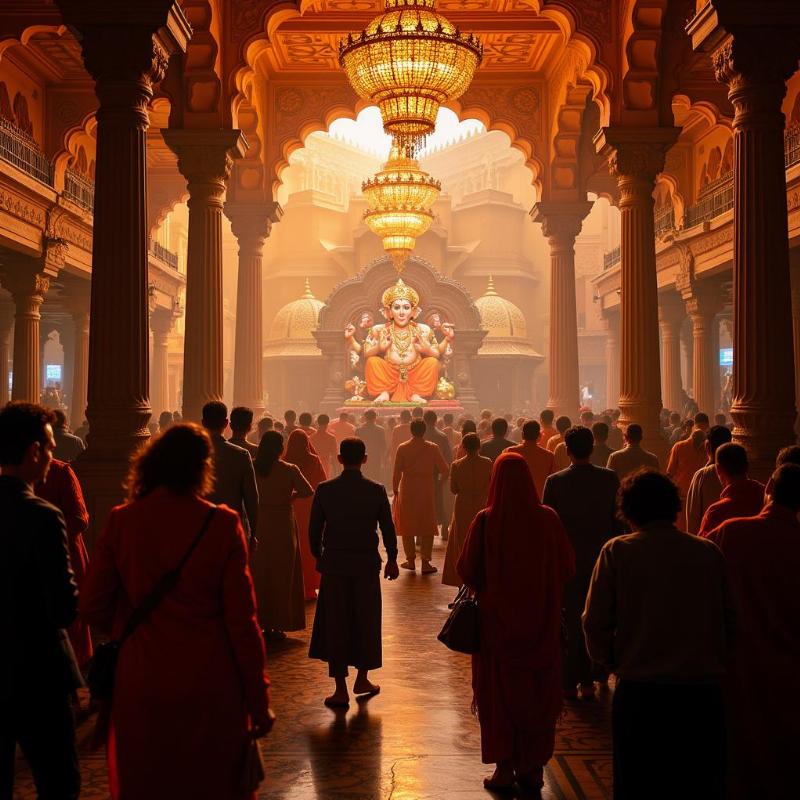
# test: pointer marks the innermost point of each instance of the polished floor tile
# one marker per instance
(417, 740)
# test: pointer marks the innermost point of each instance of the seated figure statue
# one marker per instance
(402, 355)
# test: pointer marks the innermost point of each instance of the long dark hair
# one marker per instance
(269, 451)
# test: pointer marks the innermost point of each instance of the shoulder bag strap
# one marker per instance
(153, 599)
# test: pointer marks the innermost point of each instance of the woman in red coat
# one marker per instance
(517, 558)
(300, 451)
(190, 685)
(61, 488)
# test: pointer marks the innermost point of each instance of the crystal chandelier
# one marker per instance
(399, 201)
(408, 61)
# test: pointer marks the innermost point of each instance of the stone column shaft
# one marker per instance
(796, 336)
(161, 321)
(703, 357)
(28, 290)
(205, 160)
(6, 323)
(561, 223)
(80, 367)
(636, 156)
(612, 359)
(670, 317)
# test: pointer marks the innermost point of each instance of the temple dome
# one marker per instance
(292, 330)
(500, 317)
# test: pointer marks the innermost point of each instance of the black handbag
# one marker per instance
(103, 665)
(461, 630)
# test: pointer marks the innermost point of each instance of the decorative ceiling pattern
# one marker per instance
(56, 56)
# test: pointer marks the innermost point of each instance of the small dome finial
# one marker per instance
(307, 293)
(490, 290)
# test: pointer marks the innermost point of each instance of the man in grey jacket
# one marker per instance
(234, 477)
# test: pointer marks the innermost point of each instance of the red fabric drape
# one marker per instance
(517, 557)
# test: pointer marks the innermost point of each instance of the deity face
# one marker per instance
(402, 312)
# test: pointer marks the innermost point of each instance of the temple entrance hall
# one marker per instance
(417, 740)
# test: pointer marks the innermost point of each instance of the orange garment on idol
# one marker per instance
(299, 451)
(61, 488)
(385, 377)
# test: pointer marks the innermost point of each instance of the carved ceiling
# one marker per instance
(56, 55)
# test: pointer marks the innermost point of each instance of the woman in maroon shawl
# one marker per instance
(517, 558)
(301, 452)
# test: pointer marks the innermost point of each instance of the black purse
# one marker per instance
(103, 666)
(461, 630)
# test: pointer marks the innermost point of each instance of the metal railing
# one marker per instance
(715, 199)
(19, 149)
(162, 254)
(664, 220)
(79, 189)
(791, 145)
(611, 257)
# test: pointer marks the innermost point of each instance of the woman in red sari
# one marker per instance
(301, 453)
(61, 488)
(190, 687)
(517, 558)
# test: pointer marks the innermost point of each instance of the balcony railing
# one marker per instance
(791, 146)
(611, 258)
(19, 149)
(664, 220)
(715, 199)
(79, 189)
(162, 254)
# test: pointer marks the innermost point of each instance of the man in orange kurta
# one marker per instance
(539, 461)
(415, 495)
(324, 442)
(563, 424)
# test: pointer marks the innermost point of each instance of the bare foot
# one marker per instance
(383, 397)
(502, 781)
(415, 398)
(365, 687)
(428, 568)
(409, 565)
(338, 700)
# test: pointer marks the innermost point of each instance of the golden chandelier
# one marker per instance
(408, 61)
(399, 201)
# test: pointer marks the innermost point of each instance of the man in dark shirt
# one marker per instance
(498, 443)
(38, 673)
(584, 497)
(374, 438)
(241, 424)
(68, 446)
(343, 537)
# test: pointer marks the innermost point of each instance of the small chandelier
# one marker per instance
(399, 201)
(408, 61)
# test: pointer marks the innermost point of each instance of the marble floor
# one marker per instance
(415, 741)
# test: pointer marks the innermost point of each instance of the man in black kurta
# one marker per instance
(345, 515)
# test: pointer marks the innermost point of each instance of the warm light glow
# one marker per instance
(408, 61)
(399, 200)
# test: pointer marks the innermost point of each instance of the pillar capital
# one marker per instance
(635, 152)
(26, 283)
(671, 309)
(162, 320)
(561, 222)
(251, 224)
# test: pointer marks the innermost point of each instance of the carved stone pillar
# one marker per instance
(561, 223)
(205, 158)
(161, 322)
(795, 332)
(28, 289)
(251, 226)
(611, 319)
(755, 62)
(126, 49)
(702, 312)
(77, 303)
(6, 323)
(635, 157)
(670, 317)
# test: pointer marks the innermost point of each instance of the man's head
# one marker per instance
(719, 419)
(405, 416)
(731, 463)
(547, 417)
(486, 414)
(579, 442)
(289, 416)
(370, 416)
(305, 420)
(418, 428)
(520, 422)
(265, 424)
(59, 420)
(448, 420)
(784, 486)
(417, 412)
(587, 418)
(600, 432)
(164, 420)
(648, 496)
(701, 421)
(634, 433)
(471, 442)
(241, 420)
(430, 418)
(323, 420)
(531, 431)
(215, 416)
(563, 424)
(717, 436)
(26, 441)
(352, 453)
(674, 419)
(499, 427)
(344, 417)
(789, 455)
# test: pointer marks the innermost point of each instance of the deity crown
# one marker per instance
(400, 291)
